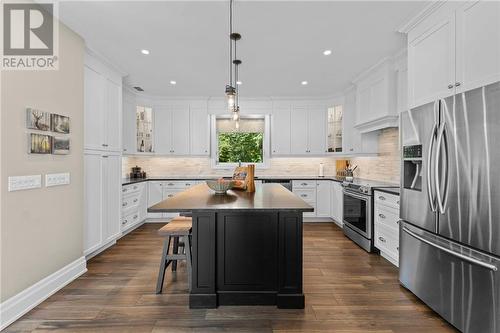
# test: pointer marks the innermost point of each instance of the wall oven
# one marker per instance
(357, 215)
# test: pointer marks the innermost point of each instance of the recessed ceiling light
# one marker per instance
(327, 52)
(145, 51)
(173, 82)
(239, 82)
(304, 83)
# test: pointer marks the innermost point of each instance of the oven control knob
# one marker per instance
(363, 189)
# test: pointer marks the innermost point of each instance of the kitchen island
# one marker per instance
(247, 247)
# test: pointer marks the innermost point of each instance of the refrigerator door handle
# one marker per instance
(430, 191)
(437, 178)
(451, 252)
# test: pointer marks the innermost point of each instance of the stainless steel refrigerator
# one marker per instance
(450, 207)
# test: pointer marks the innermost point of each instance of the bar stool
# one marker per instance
(176, 228)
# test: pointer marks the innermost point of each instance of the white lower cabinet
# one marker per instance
(386, 222)
(134, 205)
(102, 199)
(161, 190)
(337, 201)
(323, 198)
(316, 193)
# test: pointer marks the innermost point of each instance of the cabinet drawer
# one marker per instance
(130, 201)
(130, 219)
(132, 188)
(387, 240)
(386, 216)
(178, 184)
(387, 199)
(303, 184)
(308, 195)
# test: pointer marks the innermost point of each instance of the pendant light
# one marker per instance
(231, 91)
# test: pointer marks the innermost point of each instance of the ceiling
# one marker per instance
(282, 44)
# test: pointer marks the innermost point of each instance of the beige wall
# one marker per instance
(41, 229)
(385, 166)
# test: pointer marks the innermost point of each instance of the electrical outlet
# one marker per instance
(56, 179)
(17, 183)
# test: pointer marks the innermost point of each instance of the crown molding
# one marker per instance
(422, 15)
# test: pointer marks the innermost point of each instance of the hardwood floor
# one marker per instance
(347, 290)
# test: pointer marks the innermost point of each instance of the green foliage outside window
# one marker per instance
(238, 146)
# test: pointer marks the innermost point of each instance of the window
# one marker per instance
(248, 144)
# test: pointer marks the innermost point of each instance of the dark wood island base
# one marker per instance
(247, 247)
(247, 258)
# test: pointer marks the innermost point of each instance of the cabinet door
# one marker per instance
(280, 131)
(298, 131)
(93, 202)
(112, 196)
(155, 193)
(431, 63)
(363, 103)
(94, 120)
(316, 130)
(478, 44)
(199, 131)
(337, 203)
(323, 198)
(180, 130)
(350, 135)
(162, 130)
(113, 116)
(129, 116)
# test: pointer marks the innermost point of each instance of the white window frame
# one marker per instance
(266, 144)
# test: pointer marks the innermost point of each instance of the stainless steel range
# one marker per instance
(358, 211)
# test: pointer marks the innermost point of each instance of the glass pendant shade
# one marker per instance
(230, 97)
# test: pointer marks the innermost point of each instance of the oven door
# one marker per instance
(357, 213)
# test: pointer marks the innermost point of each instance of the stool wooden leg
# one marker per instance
(187, 248)
(175, 250)
(163, 265)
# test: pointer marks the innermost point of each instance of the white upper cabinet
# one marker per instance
(454, 49)
(94, 109)
(102, 106)
(162, 133)
(180, 130)
(199, 131)
(478, 44)
(308, 130)
(129, 120)
(298, 130)
(280, 130)
(316, 130)
(431, 62)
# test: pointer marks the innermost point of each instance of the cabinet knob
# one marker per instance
(136, 216)
(135, 200)
(457, 84)
(450, 86)
(124, 204)
(382, 239)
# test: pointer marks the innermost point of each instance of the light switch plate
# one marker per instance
(56, 179)
(17, 183)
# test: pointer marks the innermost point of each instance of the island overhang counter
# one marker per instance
(246, 247)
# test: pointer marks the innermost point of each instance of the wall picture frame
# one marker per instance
(37, 119)
(39, 143)
(59, 123)
(60, 145)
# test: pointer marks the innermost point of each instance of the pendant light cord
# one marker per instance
(230, 43)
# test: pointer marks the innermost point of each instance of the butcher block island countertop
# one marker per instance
(247, 247)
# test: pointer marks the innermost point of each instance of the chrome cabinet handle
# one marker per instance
(124, 204)
(382, 239)
(135, 200)
(124, 190)
(303, 184)
(136, 216)
(303, 195)
(170, 195)
(457, 84)
(381, 216)
(135, 187)
(170, 184)
(381, 198)
(124, 222)
(450, 86)
(451, 252)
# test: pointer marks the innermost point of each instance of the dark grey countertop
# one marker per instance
(128, 181)
(390, 190)
(267, 197)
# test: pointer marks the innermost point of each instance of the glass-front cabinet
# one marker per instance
(144, 121)
(335, 114)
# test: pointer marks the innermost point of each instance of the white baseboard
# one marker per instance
(317, 219)
(18, 305)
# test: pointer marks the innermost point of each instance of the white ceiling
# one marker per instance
(282, 44)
